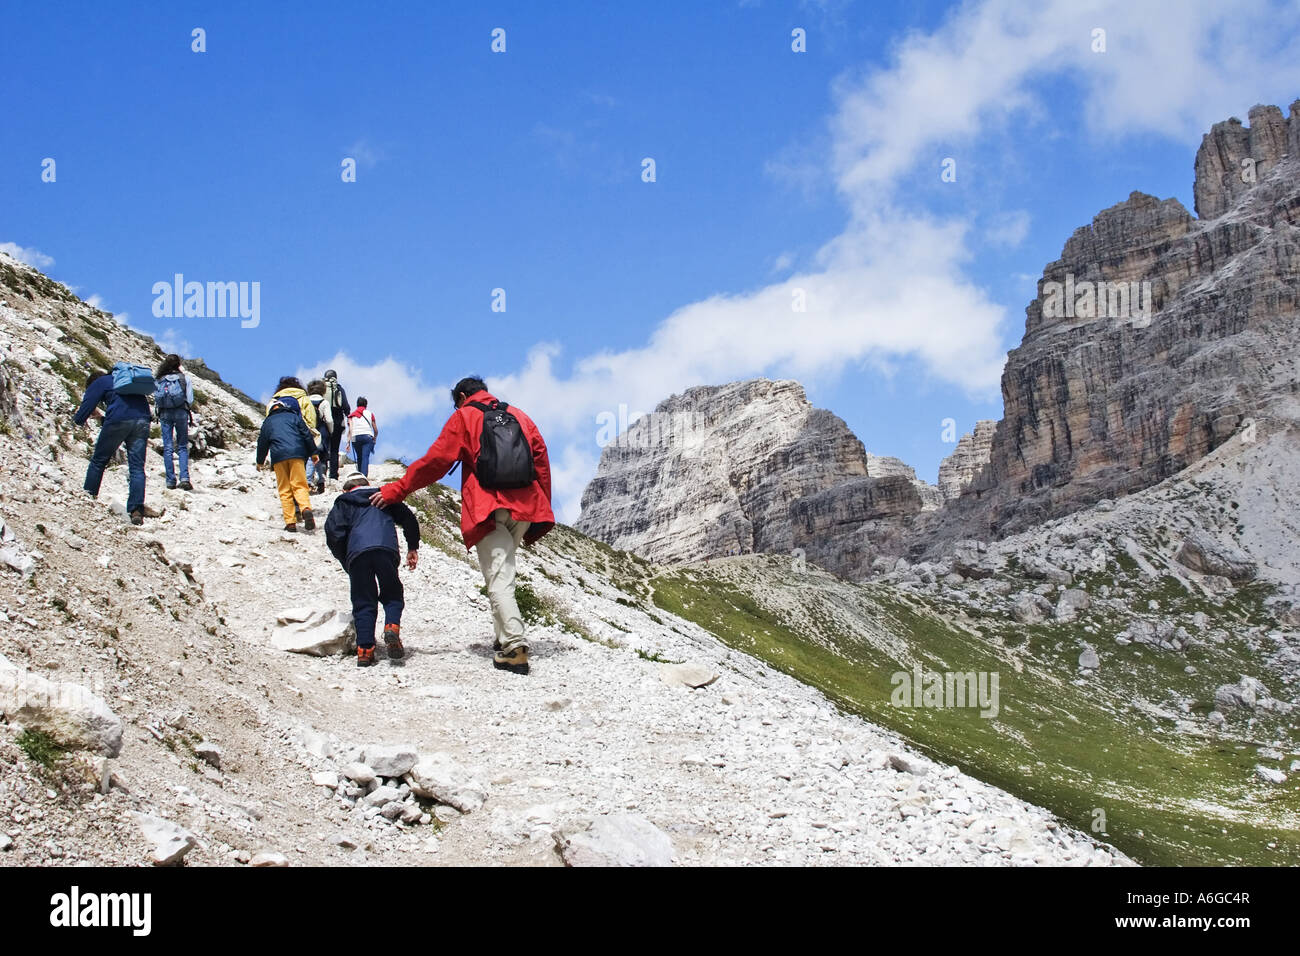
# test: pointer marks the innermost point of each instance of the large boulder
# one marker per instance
(689, 675)
(619, 839)
(319, 632)
(1207, 555)
(439, 777)
(170, 841)
(75, 717)
(971, 559)
(1070, 603)
(1030, 608)
(391, 762)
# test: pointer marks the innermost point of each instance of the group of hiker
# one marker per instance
(505, 483)
(124, 391)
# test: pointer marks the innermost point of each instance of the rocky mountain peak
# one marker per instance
(1233, 157)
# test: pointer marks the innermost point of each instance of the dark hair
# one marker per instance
(330, 373)
(315, 387)
(170, 364)
(361, 402)
(93, 376)
(467, 387)
(288, 381)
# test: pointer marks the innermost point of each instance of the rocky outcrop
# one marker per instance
(1233, 157)
(72, 716)
(1154, 338)
(963, 466)
(746, 467)
(882, 466)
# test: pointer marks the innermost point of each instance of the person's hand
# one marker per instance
(315, 459)
(377, 499)
(262, 466)
(412, 559)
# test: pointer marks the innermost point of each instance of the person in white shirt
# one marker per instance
(363, 432)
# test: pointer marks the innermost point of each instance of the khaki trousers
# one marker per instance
(496, 556)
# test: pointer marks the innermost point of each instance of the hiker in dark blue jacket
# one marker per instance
(290, 443)
(125, 421)
(364, 539)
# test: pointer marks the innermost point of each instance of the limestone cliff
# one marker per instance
(746, 467)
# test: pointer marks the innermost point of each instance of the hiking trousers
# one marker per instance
(134, 433)
(375, 581)
(175, 423)
(496, 557)
(336, 439)
(291, 482)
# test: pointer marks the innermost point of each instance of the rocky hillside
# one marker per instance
(1147, 648)
(181, 692)
(1102, 399)
(743, 468)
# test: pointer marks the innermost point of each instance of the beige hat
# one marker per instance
(354, 478)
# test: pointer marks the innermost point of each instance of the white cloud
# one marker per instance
(1008, 229)
(893, 284)
(171, 341)
(394, 390)
(366, 154)
(783, 262)
(32, 257)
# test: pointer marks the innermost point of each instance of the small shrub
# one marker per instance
(40, 747)
(243, 421)
(532, 608)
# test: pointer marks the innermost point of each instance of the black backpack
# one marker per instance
(505, 458)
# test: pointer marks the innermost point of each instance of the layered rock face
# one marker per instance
(750, 466)
(963, 466)
(1155, 336)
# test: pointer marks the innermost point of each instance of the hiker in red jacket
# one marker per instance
(514, 508)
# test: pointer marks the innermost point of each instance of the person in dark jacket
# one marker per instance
(289, 442)
(337, 400)
(125, 422)
(364, 540)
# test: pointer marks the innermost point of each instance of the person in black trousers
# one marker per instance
(364, 540)
(337, 400)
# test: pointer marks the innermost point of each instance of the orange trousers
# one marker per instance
(291, 482)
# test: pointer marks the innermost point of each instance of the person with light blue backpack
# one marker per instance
(124, 393)
(173, 395)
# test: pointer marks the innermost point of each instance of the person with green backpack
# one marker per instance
(124, 393)
(173, 395)
(336, 400)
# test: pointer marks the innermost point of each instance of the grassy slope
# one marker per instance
(1070, 745)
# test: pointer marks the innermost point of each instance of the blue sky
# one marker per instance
(522, 171)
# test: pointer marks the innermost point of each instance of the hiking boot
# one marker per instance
(365, 657)
(186, 486)
(171, 486)
(496, 645)
(514, 660)
(291, 527)
(393, 641)
(137, 516)
(308, 519)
